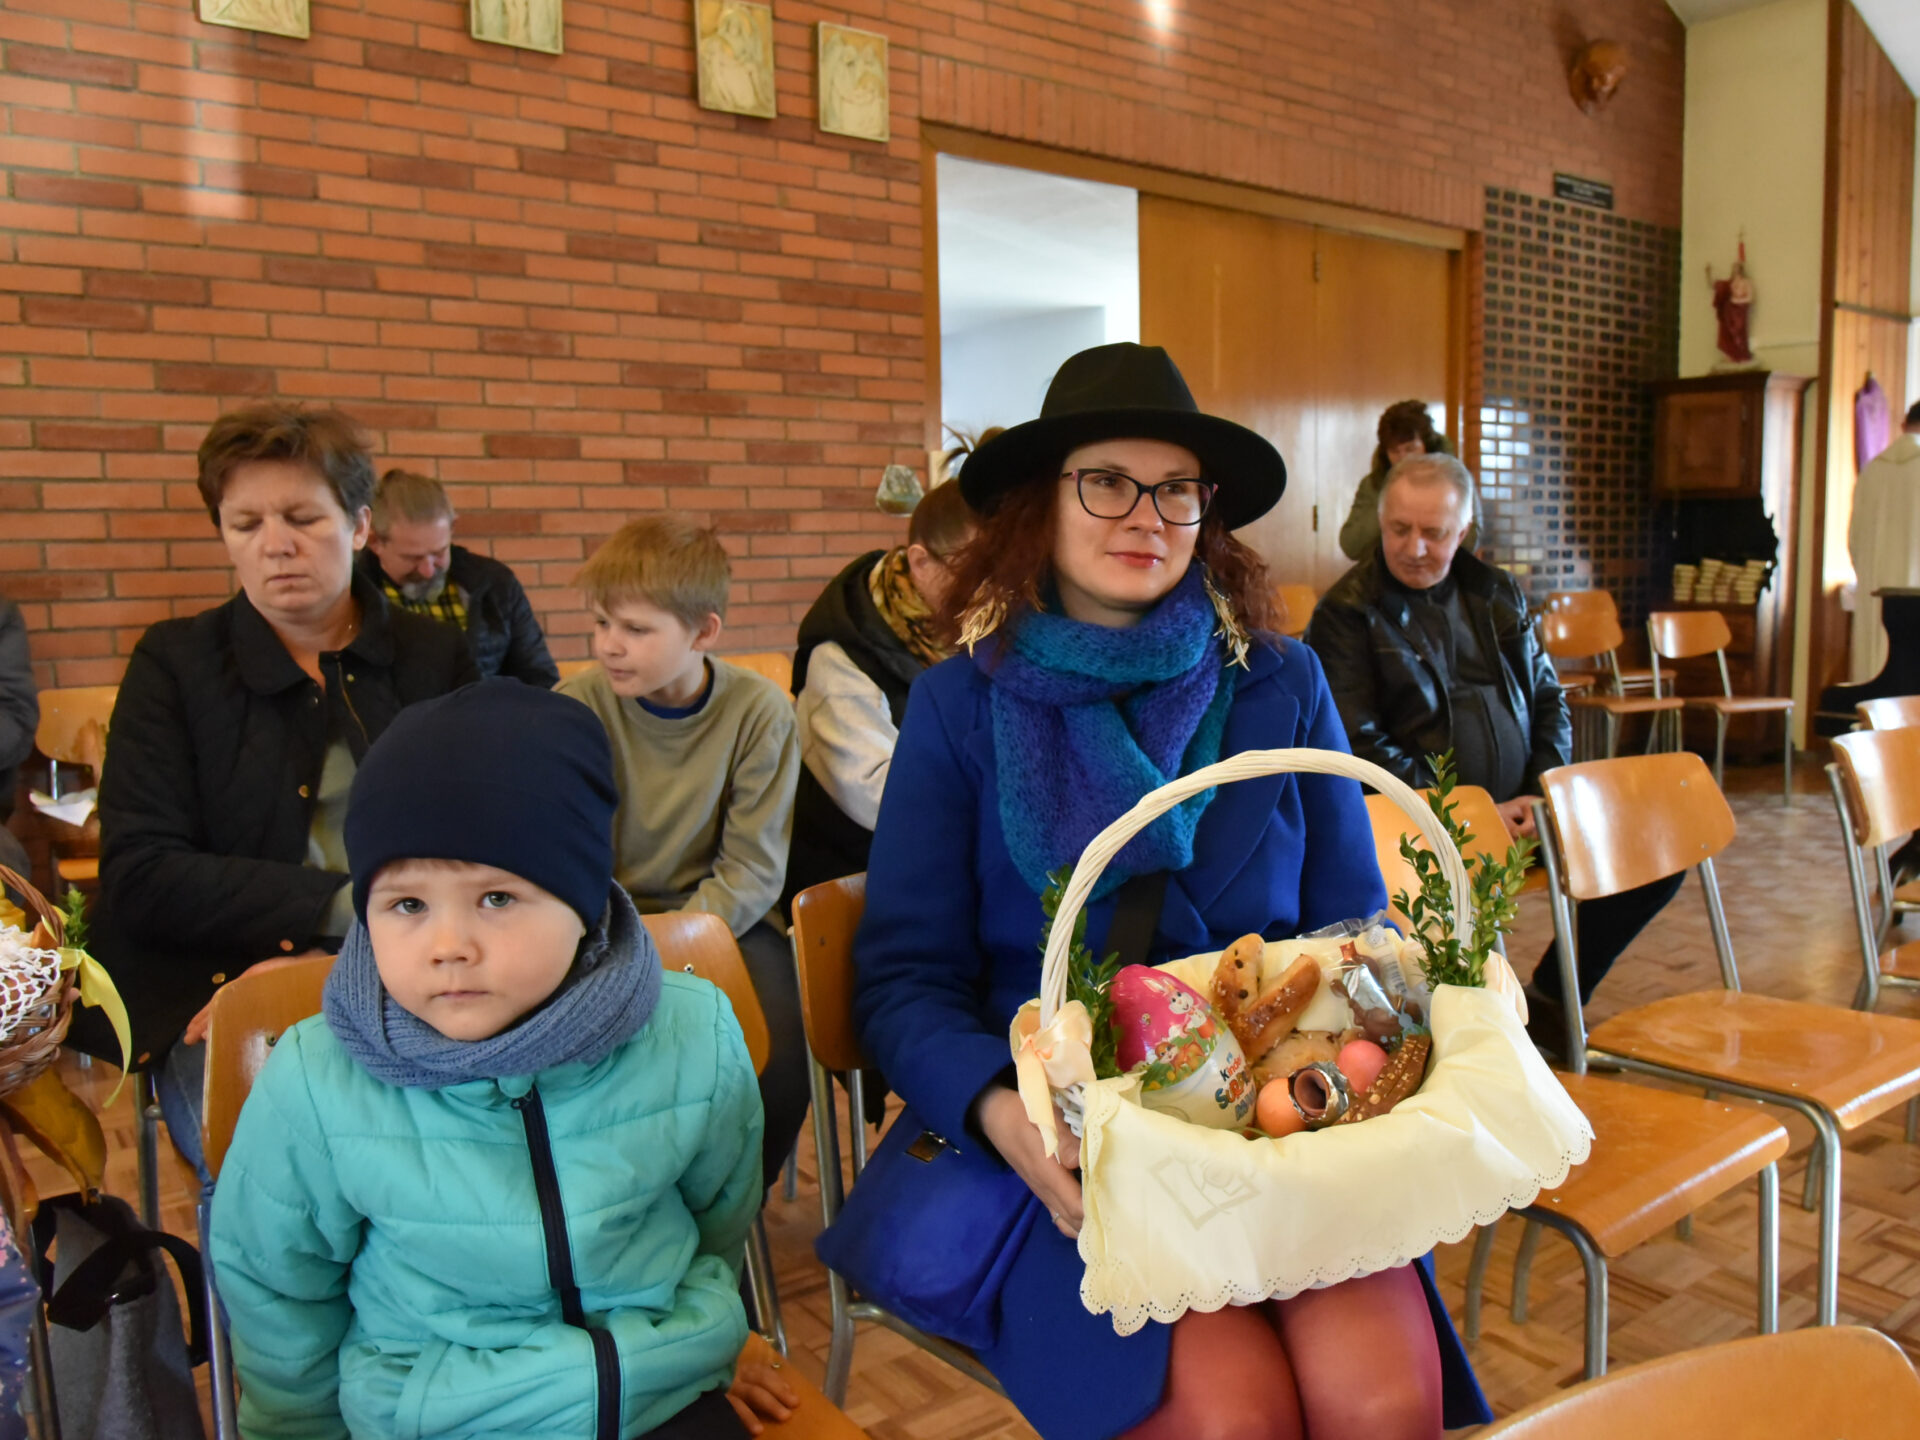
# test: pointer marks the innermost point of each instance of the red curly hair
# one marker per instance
(1010, 560)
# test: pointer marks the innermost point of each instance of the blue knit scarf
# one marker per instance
(606, 999)
(1088, 719)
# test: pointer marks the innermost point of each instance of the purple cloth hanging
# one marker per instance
(1871, 418)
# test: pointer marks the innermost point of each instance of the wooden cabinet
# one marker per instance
(1735, 438)
(1728, 436)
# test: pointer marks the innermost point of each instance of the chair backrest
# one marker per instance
(1295, 606)
(825, 918)
(697, 943)
(776, 665)
(1630, 821)
(64, 714)
(1583, 602)
(1474, 808)
(1880, 770)
(570, 668)
(250, 1014)
(1890, 712)
(1828, 1382)
(1683, 634)
(1580, 633)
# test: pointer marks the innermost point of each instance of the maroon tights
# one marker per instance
(1357, 1361)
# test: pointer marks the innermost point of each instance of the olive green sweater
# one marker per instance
(706, 800)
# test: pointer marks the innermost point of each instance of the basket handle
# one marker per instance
(1247, 765)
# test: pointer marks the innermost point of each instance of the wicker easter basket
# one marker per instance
(38, 1008)
(1179, 1216)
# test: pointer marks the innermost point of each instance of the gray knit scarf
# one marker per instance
(606, 999)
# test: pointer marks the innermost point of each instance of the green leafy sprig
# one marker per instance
(1089, 981)
(1445, 960)
(73, 914)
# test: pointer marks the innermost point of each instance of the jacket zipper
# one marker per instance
(553, 1224)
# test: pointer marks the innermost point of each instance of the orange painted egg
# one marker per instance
(1276, 1113)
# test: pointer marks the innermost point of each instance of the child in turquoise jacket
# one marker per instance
(501, 1186)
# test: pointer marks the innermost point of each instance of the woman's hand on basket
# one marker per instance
(1003, 1119)
(196, 1030)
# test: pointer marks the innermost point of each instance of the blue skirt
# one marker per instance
(1047, 1334)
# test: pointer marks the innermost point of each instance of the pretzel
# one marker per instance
(1259, 1023)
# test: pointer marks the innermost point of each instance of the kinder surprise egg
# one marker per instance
(1194, 1066)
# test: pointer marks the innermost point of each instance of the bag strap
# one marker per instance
(1136, 917)
(95, 1285)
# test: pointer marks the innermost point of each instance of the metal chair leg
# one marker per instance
(1613, 734)
(1477, 1277)
(1913, 1121)
(147, 1146)
(1810, 1193)
(766, 1296)
(1769, 1313)
(1786, 757)
(1683, 1228)
(226, 1424)
(790, 1176)
(1523, 1269)
(1720, 748)
(1595, 1266)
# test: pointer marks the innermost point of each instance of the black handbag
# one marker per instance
(935, 1224)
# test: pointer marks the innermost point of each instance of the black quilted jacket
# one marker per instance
(213, 759)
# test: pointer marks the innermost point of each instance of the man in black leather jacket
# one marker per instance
(1428, 648)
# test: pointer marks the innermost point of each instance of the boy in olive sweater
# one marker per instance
(706, 758)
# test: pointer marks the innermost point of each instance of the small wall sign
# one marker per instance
(1596, 193)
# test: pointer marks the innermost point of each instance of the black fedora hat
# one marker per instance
(1128, 391)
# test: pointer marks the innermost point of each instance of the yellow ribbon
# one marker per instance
(1051, 1058)
(97, 989)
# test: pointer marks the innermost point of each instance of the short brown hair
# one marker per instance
(1009, 562)
(942, 521)
(327, 440)
(406, 495)
(664, 560)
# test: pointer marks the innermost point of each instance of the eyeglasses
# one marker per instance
(1110, 495)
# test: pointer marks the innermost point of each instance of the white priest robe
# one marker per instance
(1884, 538)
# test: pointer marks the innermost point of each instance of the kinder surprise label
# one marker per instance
(1194, 1066)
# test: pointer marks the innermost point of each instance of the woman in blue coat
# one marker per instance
(1117, 640)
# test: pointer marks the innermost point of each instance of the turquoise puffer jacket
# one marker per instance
(382, 1256)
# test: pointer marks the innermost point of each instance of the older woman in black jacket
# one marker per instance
(236, 735)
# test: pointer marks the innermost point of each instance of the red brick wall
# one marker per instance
(573, 295)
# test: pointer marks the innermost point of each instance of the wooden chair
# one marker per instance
(73, 731)
(1891, 712)
(1587, 634)
(1658, 1156)
(570, 668)
(1847, 1381)
(1612, 825)
(1689, 634)
(1294, 605)
(252, 1012)
(1875, 777)
(825, 918)
(1625, 679)
(700, 944)
(776, 665)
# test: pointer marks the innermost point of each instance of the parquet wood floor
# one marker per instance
(1786, 889)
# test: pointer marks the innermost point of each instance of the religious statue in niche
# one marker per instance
(526, 24)
(269, 17)
(734, 40)
(853, 83)
(1732, 298)
(1597, 71)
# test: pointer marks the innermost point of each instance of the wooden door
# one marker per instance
(1305, 335)
(1382, 327)
(1230, 296)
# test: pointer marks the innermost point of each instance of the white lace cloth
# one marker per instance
(1182, 1217)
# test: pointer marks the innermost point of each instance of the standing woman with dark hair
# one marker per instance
(1116, 638)
(1405, 429)
(236, 735)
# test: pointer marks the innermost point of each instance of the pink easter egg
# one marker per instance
(1275, 1113)
(1361, 1061)
(1156, 1017)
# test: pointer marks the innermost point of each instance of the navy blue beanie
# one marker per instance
(499, 773)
